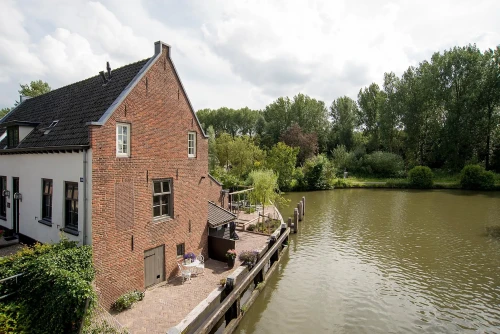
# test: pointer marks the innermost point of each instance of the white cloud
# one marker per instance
(237, 53)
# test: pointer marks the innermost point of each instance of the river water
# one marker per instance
(386, 261)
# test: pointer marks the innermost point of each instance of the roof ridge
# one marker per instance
(83, 80)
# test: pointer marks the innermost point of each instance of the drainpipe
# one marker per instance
(84, 234)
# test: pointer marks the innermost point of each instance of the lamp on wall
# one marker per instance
(6, 193)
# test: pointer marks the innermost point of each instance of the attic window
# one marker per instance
(12, 136)
(54, 123)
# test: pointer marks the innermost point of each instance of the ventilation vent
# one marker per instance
(54, 123)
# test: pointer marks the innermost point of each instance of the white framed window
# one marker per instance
(122, 140)
(191, 144)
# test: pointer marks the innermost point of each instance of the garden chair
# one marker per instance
(185, 274)
(200, 267)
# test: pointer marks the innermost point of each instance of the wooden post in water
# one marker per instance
(290, 222)
(295, 220)
(299, 207)
(303, 205)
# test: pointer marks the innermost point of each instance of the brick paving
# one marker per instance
(9, 250)
(166, 304)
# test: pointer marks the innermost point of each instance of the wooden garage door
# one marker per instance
(154, 265)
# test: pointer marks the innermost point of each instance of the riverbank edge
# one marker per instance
(347, 184)
(191, 323)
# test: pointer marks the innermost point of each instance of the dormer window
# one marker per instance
(12, 136)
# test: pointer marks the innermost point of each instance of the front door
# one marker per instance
(15, 211)
(154, 266)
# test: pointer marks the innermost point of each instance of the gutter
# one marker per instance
(85, 163)
(45, 148)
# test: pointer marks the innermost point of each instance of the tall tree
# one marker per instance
(490, 96)
(344, 114)
(370, 102)
(306, 142)
(282, 159)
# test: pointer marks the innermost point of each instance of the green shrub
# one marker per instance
(250, 210)
(55, 287)
(126, 300)
(383, 164)
(475, 177)
(10, 313)
(420, 177)
(319, 173)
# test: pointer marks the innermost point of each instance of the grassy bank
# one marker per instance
(440, 182)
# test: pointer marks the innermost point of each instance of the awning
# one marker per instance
(218, 216)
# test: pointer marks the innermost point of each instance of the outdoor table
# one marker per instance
(192, 266)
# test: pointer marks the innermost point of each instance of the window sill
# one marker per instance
(162, 219)
(45, 222)
(70, 231)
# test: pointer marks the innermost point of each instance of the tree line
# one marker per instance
(443, 113)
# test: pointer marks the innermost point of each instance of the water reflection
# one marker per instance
(386, 261)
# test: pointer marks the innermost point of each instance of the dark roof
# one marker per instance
(73, 106)
(218, 216)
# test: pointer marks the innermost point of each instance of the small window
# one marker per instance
(162, 198)
(122, 140)
(12, 136)
(180, 250)
(71, 205)
(47, 199)
(3, 198)
(191, 144)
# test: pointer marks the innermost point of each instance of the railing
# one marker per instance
(8, 279)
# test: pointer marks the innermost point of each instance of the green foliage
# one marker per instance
(265, 187)
(383, 164)
(239, 154)
(33, 89)
(103, 328)
(319, 173)
(228, 180)
(307, 143)
(126, 300)
(344, 113)
(420, 177)
(10, 313)
(475, 177)
(55, 287)
(3, 112)
(282, 159)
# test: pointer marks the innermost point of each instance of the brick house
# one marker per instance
(118, 161)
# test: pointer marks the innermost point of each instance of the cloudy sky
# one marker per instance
(237, 53)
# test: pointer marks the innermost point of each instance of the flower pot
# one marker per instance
(230, 262)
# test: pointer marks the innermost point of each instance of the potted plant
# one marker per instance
(189, 257)
(249, 257)
(231, 256)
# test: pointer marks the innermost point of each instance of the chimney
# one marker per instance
(23, 98)
(104, 79)
(109, 70)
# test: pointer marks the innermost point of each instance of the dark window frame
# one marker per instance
(159, 204)
(47, 191)
(3, 198)
(182, 248)
(71, 206)
(12, 136)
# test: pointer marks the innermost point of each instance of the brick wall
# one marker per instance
(160, 119)
(214, 192)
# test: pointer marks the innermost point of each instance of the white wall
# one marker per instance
(31, 169)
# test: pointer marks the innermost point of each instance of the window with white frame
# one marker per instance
(122, 140)
(191, 144)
